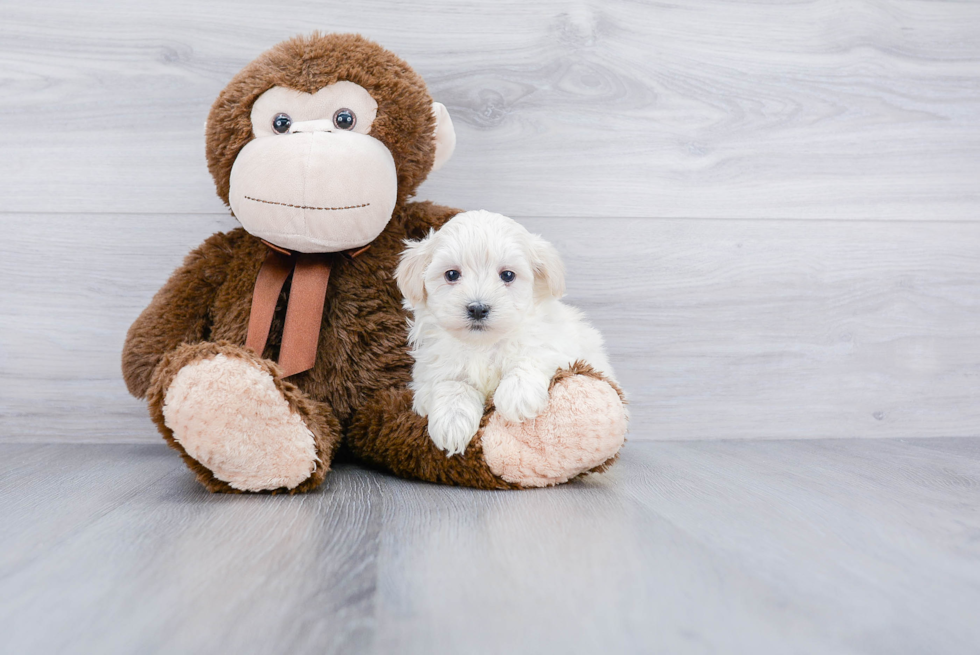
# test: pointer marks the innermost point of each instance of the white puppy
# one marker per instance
(487, 320)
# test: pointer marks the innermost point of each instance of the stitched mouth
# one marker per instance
(322, 209)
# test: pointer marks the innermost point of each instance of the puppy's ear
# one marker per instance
(549, 270)
(410, 274)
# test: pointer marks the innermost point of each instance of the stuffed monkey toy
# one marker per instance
(282, 344)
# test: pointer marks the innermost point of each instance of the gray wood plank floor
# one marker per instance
(820, 546)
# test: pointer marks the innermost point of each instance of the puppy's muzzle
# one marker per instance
(477, 311)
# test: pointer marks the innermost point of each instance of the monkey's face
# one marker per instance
(313, 179)
(315, 161)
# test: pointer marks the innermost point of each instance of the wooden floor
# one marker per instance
(818, 546)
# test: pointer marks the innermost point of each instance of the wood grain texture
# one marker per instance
(842, 546)
(717, 329)
(821, 109)
(580, 119)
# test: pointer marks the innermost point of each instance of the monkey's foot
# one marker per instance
(582, 429)
(229, 415)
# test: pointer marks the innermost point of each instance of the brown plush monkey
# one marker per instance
(278, 345)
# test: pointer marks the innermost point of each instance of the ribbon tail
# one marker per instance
(307, 295)
(268, 285)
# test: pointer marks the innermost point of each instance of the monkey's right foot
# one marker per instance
(582, 430)
(229, 414)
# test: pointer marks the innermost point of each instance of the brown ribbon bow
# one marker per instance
(304, 311)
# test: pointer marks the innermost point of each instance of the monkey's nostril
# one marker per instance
(478, 311)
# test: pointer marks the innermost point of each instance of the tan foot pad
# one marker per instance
(583, 426)
(228, 415)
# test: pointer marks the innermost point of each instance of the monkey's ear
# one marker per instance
(445, 135)
(549, 270)
(410, 274)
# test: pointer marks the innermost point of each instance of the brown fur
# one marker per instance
(355, 396)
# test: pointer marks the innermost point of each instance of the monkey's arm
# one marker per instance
(178, 313)
(388, 434)
(581, 430)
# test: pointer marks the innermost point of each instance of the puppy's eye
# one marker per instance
(507, 276)
(281, 123)
(452, 276)
(344, 119)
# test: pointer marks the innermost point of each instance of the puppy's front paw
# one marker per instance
(520, 397)
(451, 428)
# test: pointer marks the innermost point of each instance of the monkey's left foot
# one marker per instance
(228, 414)
(582, 429)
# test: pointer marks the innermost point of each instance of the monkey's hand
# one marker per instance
(581, 429)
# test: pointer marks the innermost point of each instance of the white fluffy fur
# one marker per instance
(527, 336)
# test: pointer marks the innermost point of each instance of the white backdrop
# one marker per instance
(770, 209)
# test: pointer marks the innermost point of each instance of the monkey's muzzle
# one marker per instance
(317, 191)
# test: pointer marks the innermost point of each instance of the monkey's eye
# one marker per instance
(507, 276)
(452, 276)
(281, 123)
(344, 119)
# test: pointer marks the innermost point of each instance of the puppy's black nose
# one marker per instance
(478, 311)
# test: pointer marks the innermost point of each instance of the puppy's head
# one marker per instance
(480, 275)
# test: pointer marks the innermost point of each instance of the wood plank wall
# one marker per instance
(770, 208)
